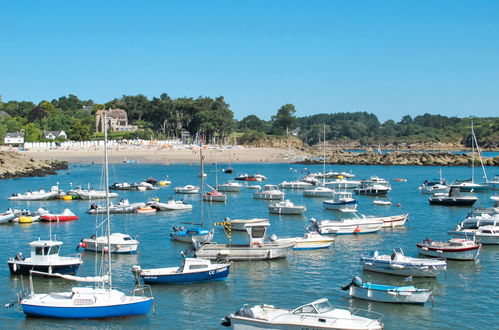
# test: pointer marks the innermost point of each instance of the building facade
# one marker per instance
(117, 120)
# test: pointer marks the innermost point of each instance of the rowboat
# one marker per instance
(455, 249)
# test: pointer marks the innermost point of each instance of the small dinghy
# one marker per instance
(188, 189)
(145, 210)
(287, 207)
(379, 202)
(171, 205)
(192, 270)
(309, 241)
(387, 293)
(66, 215)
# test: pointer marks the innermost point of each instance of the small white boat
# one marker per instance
(375, 180)
(341, 199)
(342, 184)
(380, 202)
(318, 192)
(118, 243)
(240, 224)
(231, 186)
(350, 223)
(38, 195)
(192, 234)
(171, 205)
(319, 314)
(399, 264)
(488, 235)
(309, 241)
(407, 294)
(269, 192)
(494, 183)
(93, 194)
(253, 186)
(372, 189)
(7, 216)
(455, 249)
(188, 189)
(295, 185)
(214, 196)
(124, 206)
(287, 207)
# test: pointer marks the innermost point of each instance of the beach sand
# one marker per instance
(166, 155)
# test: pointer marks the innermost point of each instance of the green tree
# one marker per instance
(32, 133)
(79, 131)
(284, 119)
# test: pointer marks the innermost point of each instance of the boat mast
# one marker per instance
(472, 153)
(201, 180)
(479, 152)
(108, 219)
(324, 155)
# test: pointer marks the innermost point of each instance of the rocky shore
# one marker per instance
(14, 165)
(402, 158)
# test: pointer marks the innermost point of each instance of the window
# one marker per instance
(309, 309)
(39, 251)
(46, 250)
(127, 238)
(54, 249)
(258, 232)
(197, 266)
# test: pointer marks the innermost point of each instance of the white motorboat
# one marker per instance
(455, 249)
(230, 186)
(269, 192)
(309, 241)
(93, 194)
(375, 180)
(488, 235)
(171, 205)
(287, 207)
(380, 202)
(256, 249)
(494, 183)
(319, 191)
(253, 186)
(38, 195)
(399, 264)
(342, 184)
(118, 243)
(124, 206)
(317, 315)
(7, 216)
(434, 186)
(240, 224)
(121, 186)
(295, 185)
(341, 199)
(406, 294)
(351, 222)
(188, 189)
(372, 189)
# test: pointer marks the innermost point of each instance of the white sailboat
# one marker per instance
(321, 191)
(99, 301)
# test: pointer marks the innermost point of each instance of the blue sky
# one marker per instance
(389, 58)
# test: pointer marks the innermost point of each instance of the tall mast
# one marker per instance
(472, 153)
(201, 181)
(108, 219)
(324, 154)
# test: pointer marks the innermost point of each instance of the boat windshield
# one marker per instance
(315, 308)
(324, 307)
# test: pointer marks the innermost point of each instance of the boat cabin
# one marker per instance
(45, 248)
(193, 264)
(269, 187)
(256, 233)
(319, 306)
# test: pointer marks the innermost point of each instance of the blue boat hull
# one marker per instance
(97, 312)
(179, 278)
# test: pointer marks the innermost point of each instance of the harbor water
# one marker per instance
(465, 296)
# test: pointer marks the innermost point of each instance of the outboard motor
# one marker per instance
(273, 237)
(136, 269)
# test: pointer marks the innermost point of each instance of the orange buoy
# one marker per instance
(398, 204)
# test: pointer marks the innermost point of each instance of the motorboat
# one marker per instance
(188, 189)
(146, 210)
(144, 185)
(350, 223)
(455, 248)
(406, 294)
(192, 234)
(494, 183)
(375, 180)
(270, 192)
(121, 186)
(399, 264)
(319, 191)
(247, 177)
(372, 189)
(25, 216)
(341, 199)
(470, 186)
(380, 202)
(93, 194)
(488, 210)
(214, 196)
(37, 195)
(7, 216)
(66, 215)
(240, 224)
(118, 243)
(124, 206)
(231, 186)
(434, 186)
(487, 235)
(453, 198)
(309, 241)
(253, 186)
(319, 314)
(256, 249)
(171, 205)
(342, 184)
(98, 301)
(287, 207)
(192, 270)
(44, 258)
(298, 184)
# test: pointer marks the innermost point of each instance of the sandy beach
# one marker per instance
(166, 155)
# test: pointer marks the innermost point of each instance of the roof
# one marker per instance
(15, 135)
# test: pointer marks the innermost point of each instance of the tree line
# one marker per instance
(166, 117)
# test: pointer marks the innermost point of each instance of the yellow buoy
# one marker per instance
(25, 219)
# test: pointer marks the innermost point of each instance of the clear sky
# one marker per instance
(389, 58)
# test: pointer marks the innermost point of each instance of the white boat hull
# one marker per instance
(461, 255)
(349, 227)
(171, 206)
(388, 267)
(267, 196)
(296, 210)
(400, 297)
(244, 252)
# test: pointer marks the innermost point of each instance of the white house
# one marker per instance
(52, 135)
(14, 138)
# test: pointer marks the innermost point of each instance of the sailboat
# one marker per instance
(229, 168)
(99, 301)
(214, 195)
(472, 186)
(194, 234)
(202, 174)
(322, 190)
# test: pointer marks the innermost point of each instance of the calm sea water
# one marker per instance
(466, 296)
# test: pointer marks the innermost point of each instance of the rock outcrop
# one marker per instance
(13, 165)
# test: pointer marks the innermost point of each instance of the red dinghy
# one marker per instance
(66, 215)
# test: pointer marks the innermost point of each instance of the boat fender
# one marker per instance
(357, 230)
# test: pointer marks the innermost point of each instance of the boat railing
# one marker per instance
(372, 316)
(140, 290)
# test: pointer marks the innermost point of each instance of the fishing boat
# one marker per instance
(349, 223)
(188, 189)
(269, 192)
(99, 301)
(309, 241)
(171, 205)
(256, 249)
(406, 294)
(192, 270)
(38, 195)
(240, 224)
(230, 186)
(455, 248)
(341, 199)
(44, 258)
(399, 264)
(453, 198)
(319, 314)
(287, 207)
(66, 215)
(487, 235)
(372, 189)
(124, 206)
(298, 184)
